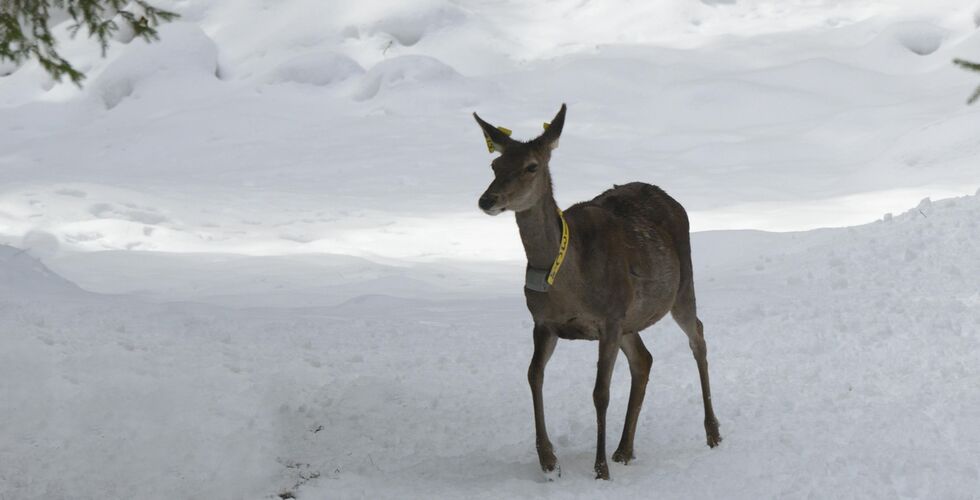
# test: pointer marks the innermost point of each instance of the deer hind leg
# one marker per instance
(640, 362)
(544, 345)
(608, 350)
(685, 314)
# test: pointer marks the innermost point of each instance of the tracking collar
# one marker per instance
(540, 280)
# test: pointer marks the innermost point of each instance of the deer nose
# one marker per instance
(487, 201)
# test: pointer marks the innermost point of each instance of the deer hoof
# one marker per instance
(553, 474)
(602, 471)
(711, 429)
(713, 440)
(548, 460)
(622, 456)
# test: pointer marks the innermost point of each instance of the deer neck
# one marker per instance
(540, 228)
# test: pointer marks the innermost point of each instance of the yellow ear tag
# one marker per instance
(506, 132)
(555, 143)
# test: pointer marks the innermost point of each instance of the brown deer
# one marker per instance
(603, 270)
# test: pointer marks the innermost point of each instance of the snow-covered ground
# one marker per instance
(246, 260)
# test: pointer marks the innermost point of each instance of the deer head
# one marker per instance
(521, 176)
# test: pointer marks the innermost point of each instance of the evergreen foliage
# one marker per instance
(972, 66)
(25, 28)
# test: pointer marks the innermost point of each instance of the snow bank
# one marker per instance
(184, 52)
(920, 38)
(20, 273)
(317, 68)
(403, 71)
(408, 26)
(825, 333)
(755, 115)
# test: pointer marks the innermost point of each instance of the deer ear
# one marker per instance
(552, 131)
(496, 138)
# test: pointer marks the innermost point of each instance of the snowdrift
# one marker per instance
(22, 273)
(829, 332)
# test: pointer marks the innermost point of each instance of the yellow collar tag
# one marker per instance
(562, 248)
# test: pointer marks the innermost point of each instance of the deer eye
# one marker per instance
(532, 167)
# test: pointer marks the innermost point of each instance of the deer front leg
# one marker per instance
(544, 345)
(608, 350)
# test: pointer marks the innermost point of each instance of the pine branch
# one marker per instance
(973, 98)
(970, 66)
(25, 29)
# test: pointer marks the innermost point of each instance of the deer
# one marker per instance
(602, 270)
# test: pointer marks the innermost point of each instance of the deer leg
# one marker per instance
(544, 345)
(640, 362)
(687, 319)
(608, 350)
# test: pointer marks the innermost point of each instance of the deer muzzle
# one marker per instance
(488, 203)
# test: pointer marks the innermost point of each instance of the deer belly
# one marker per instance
(574, 329)
(651, 303)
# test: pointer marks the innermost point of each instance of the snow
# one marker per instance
(403, 70)
(316, 68)
(188, 58)
(246, 260)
